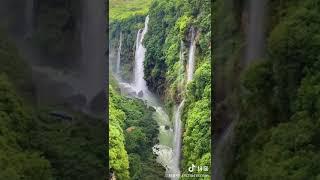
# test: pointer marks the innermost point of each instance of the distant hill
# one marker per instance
(122, 9)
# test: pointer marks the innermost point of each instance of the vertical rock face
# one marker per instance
(93, 47)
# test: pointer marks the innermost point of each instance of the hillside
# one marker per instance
(123, 9)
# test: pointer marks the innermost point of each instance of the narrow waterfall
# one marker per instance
(29, 15)
(163, 149)
(93, 47)
(223, 152)
(139, 81)
(255, 39)
(119, 55)
(168, 150)
(191, 56)
(177, 113)
(256, 30)
(177, 138)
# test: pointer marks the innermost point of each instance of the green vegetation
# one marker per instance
(17, 160)
(35, 144)
(129, 29)
(132, 134)
(169, 26)
(126, 17)
(12, 65)
(123, 9)
(277, 134)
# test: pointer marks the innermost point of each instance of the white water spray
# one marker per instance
(168, 150)
(191, 56)
(177, 139)
(139, 81)
(163, 150)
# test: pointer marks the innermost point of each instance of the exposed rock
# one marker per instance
(140, 94)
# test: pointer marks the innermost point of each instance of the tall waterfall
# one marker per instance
(93, 47)
(119, 55)
(29, 15)
(177, 138)
(177, 113)
(255, 39)
(168, 150)
(163, 149)
(191, 56)
(256, 30)
(139, 81)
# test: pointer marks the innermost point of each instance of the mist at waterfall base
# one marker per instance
(168, 150)
(255, 49)
(81, 85)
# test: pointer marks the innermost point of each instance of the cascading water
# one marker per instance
(255, 39)
(139, 81)
(94, 63)
(177, 113)
(119, 55)
(191, 56)
(163, 150)
(177, 139)
(168, 150)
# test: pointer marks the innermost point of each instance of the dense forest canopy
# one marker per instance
(277, 132)
(167, 43)
(132, 133)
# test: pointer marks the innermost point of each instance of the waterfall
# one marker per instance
(93, 46)
(163, 149)
(139, 81)
(191, 56)
(222, 153)
(177, 113)
(119, 55)
(177, 138)
(168, 150)
(256, 30)
(255, 39)
(29, 15)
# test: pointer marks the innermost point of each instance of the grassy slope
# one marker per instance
(122, 9)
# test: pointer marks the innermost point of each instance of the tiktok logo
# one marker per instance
(191, 169)
(199, 168)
